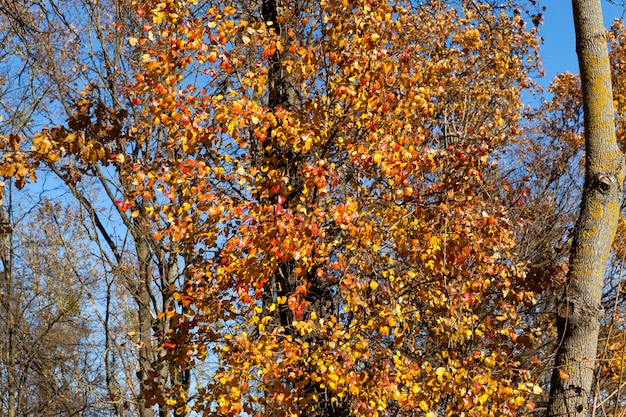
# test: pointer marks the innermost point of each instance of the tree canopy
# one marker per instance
(297, 208)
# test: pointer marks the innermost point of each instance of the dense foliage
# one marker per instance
(305, 208)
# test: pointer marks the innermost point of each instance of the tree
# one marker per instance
(47, 367)
(580, 312)
(306, 201)
(363, 243)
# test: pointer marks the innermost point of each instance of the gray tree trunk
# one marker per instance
(579, 311)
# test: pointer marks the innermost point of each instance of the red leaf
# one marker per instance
(292, 302)
(122, 205)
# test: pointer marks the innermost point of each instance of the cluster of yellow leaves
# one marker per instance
(617, 45)
(14, 164)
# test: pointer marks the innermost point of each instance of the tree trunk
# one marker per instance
(150, 381)
(282, 92)
(579, 311)
(11, 311)
(283, 89)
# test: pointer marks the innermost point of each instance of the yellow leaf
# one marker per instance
(423, 405)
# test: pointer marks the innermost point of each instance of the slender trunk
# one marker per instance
(12, 305)
(158, 375)
(113, 388)
(146, 351)
(283, 93)
(579, 311)
(283, 90)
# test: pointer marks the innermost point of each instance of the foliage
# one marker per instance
(363, 242)
(316, 210)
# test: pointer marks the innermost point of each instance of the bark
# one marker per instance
(146, 351)
(283, 89)
(11, 348)
(579, 311)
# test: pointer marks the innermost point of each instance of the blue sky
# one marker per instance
(559, 49)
